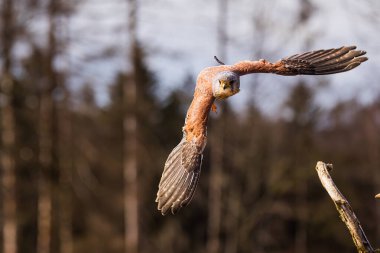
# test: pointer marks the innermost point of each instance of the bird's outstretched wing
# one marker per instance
(180, 177)
(320, 62)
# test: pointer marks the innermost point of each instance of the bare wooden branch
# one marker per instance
(345, 211)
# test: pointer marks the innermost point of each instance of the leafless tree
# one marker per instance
(65, 152)
(131, 213)
(7, 118)
(46, 107)
(216, 169)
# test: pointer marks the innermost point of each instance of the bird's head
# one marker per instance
(225, 84)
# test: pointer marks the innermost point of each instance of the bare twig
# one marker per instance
(345, 211)
(218, 61)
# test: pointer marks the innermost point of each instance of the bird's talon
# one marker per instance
(214, 108)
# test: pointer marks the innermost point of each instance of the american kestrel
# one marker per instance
(183, 166)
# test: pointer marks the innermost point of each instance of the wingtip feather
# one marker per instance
(323, 62)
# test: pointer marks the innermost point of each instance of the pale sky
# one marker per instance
(180, 38)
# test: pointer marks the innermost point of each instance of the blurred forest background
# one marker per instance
(80, 166)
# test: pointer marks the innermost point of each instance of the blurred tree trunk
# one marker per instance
(65, 156)
(7, 154)
(65, 166)
(131, 202)
(302, 210)
(44, 185)
(216, 169)
(46, 139)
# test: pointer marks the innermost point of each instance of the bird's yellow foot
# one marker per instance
(214, 108)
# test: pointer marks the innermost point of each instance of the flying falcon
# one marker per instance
(183, 166)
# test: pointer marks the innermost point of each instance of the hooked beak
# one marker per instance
(224, 84)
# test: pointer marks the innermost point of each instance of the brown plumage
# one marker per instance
(183, 166)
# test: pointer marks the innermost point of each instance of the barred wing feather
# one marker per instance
(180, 177)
